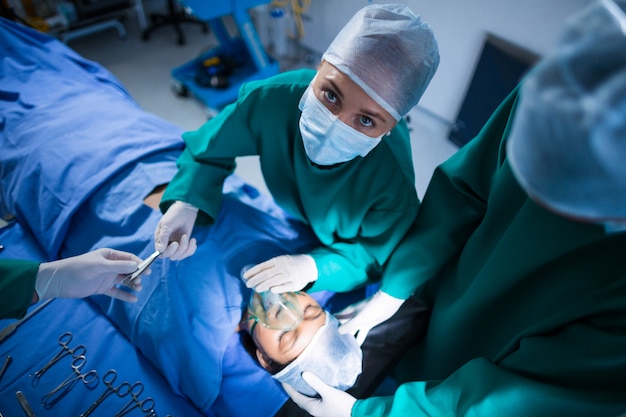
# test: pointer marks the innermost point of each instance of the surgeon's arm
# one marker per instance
(549, 375)
(209, 157)
(17, 286)
(453, 206)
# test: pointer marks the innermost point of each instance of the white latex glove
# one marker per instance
(282, 274)
(334, 402)
(80, 276)
(359, 318)
(172, 235)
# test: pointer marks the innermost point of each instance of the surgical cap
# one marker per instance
(389, 52)
(567, 146)
(334, 357)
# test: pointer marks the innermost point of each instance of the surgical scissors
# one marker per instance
(109, 379)
(49, 399)
(65, 350)
(146, 405)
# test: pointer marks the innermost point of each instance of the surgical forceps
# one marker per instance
(146, 405)
(49, 399)
(65, 350)
(141, 268)
(121, 391)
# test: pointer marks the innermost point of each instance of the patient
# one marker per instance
(187, 314)
(75, 187)
(293, 333)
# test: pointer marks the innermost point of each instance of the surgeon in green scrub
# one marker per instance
(98, 272)
(520, 249)
(334, 151)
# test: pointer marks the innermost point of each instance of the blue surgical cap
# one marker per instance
(567, 145)
(334, 357)
(389, 52)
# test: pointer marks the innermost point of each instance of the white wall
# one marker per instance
(460, 27)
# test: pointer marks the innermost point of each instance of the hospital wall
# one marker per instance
(460, 27)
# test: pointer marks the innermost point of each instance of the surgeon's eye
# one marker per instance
(331, 96)
(366, 121)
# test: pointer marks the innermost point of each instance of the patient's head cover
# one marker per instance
(389, 52)
(334, 357)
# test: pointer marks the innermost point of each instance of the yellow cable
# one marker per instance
(297, 8)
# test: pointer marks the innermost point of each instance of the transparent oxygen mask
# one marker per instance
(275, 311)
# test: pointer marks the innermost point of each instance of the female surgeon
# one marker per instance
(519, 248)
(334, 152)
(98, 272)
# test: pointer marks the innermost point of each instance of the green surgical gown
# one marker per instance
(17, 286)
(528, 308)
(359, 210)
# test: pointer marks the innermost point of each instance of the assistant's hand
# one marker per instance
(359, 318)
(282, 274)
(95, 272)
(334, 402)
(173, 233)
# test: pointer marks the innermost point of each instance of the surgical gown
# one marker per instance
(359, 210)
(528, 308)
(17, 284)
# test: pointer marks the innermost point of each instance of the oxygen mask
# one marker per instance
(275, 311)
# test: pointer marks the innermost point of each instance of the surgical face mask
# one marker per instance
(275, 311)
(327, 140)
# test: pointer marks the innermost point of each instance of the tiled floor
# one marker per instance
(144, 67)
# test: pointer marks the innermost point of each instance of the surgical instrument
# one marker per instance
(65, 350)
(6, 332)
(109, 379)
(146, 405)
(6, 364)
(25, 406)
(64, 387)
(141, 268)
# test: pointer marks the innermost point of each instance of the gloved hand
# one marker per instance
(334, 402)
(359, 318)
(282, 274)
(95, 272)
(172, 235)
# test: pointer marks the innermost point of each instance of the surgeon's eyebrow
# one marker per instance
(336, 88)
(369, 113)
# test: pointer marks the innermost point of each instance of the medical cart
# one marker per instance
(245, 54)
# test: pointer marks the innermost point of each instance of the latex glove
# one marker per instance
(173, 233)
(95, 272)
(334, 402)
(282, 274)
(359, 318)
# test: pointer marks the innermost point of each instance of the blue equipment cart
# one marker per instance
(243, 54)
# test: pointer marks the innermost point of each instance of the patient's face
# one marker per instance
(284, 346)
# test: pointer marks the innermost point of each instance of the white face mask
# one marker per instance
(327, 140)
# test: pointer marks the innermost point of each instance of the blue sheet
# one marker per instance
(78, 157)
(50, 95)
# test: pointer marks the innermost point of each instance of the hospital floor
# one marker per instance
(144, 67)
